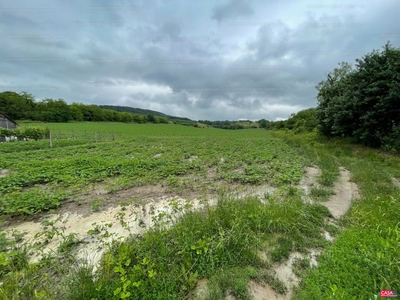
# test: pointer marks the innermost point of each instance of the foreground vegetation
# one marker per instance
(364, 258)
(222, 242)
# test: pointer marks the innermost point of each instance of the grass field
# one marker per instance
(221, 242)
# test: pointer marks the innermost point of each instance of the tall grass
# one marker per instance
(365, 257)
(165, 263)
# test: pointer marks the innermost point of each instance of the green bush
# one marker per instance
(35, 133)
(363, 103)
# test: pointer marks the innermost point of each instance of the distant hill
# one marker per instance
(142, 112)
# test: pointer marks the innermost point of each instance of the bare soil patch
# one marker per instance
(136, 217)
(309, 181)
(83, 203)
(77, 218)
(396, 182)
(345, 192)
(264, 292)
(4, 173)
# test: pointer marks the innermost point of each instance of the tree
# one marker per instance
(334, 116)
(363, 103)
(151, 119)
(50, 110)
(77, 111)
(263, 123)
(303, 121)
(377, 98)
(17, 106)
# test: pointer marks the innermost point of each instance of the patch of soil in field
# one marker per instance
(309, 181)
(200, 291)
(285, 273)
(112, 223)
(396, 182)
(117, 218)
(264, 292)
(98, 198)
(345, 192)
(4, 173)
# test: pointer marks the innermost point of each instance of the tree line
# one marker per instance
(23, 106)
(232, 125)
(361, 102)
(303, 121)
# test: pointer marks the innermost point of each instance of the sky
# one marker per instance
(214, 60)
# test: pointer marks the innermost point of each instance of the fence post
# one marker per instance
(51, 141)
(112, 136)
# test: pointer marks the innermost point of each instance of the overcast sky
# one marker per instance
(215, 60)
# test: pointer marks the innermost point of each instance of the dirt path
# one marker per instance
(338, 204)
(345, 192)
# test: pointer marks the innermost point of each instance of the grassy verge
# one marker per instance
(365, 257)
(166, 263)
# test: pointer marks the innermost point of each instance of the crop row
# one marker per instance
(254, 158)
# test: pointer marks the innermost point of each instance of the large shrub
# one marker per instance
(363, 103)
(35, 133)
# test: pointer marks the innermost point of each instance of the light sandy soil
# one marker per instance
(396, 182)
(260, 292)
(4, 173)
(91, 248)
(309, 181)
(137, 217)
(345, 192)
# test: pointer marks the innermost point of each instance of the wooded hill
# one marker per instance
(142, 111)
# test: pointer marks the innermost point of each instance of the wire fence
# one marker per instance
(57, 138)
(91, 136)
(96, 136)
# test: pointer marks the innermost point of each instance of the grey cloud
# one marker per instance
(232, 9)
(256, 71)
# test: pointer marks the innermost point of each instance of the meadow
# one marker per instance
(230, 243)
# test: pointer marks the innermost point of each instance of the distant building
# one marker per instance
(6, 122)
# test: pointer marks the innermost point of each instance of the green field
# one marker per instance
(220, 242)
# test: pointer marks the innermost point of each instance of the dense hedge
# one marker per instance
(35, 133)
